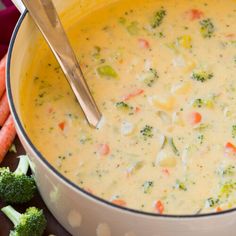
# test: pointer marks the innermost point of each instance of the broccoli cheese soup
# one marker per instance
(163, 76)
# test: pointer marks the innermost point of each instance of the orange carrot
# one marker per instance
(62, 125)
(133, 94)
(218, 209)
(137, 109)
(104, 149)
(230, 147)
(2, 76)
(195, 118)
(195, 14)
(4, 109)
(89, 190)
(159, 207)
(119, 202)
(165, 171)
(143, 43)
(230, 36)
(7, 135)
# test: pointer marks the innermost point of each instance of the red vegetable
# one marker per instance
(195, 118)
(159, 207)
(195, 14)
(4, 109)
(144, 43)
(230, 147)
(104, 149)
(2, 76)
(7, 135)
(119, 202)
(133, 94)
(62, 125)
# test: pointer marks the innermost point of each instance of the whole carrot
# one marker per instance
(2, 76)
(4, 109)
(7, 135)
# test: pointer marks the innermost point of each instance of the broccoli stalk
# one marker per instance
(30, 223)
(17, 187)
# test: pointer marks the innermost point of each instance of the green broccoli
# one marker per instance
(147, 131)
(158, 18)
(17, 187)
(233, 131)
(207, 28)
(30, 223)
(201, 76)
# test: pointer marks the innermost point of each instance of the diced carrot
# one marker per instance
(143, 43)
(62, 125)
(2, 76)
(165, 171)
(7, 135)
(119, 202)
(89, 190)
(4, 109)
(195, 14)
(50, 110)
(104, 149)
(218, 209)
(195, 118)
(230, 36)
(137, 109)
(230, 147)
(133, 94)
(159, 207)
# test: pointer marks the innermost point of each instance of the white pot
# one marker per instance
(78, 211)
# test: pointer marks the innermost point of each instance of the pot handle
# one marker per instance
(19, 5)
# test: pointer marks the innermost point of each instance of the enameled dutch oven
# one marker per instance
(78, 211)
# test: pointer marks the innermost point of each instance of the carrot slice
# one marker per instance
(143, 43)
(104, 149)
(230, 147)
(7, 135)
(165, 171)
(195, 118)
(133, 94)
(230, 35)
(159, 207)
(62, 125)
(2, 76)
(119, 202)
(195, 14)
(218, 209)
(4, 109)
(137, 109)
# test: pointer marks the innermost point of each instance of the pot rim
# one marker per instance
(55, 171)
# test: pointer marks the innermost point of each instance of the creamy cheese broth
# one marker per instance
(163, 76)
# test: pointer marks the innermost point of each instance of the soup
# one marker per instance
(163, 76)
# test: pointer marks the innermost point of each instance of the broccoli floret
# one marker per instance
(147, 186)
(211, 202)
(234, 131)
(122, 105)
(17, 187)
(30, 223)
(198, 102)
(158, 18)
(207, 28)
(147, 131)
(150, 77)
(180, 185)
(201, 76)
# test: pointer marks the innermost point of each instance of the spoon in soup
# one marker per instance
(46, 18)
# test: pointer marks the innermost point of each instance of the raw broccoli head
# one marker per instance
(31, 223)
(17, 187)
